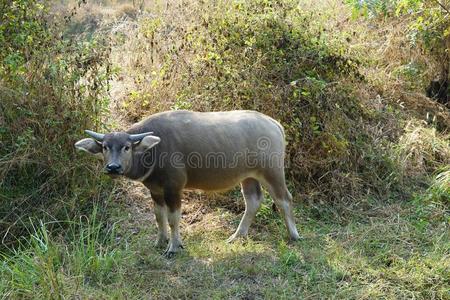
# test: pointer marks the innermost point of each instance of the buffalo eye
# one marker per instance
(105, 148)
(126, 148)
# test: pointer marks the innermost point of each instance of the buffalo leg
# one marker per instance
(173, 202)
(160, 209)
(251, 190)
(283, 199)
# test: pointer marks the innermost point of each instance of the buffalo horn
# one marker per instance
(97, 136)
(138, 137)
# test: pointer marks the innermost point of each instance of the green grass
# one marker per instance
(50, 267)
(353, 247)
(389, 250)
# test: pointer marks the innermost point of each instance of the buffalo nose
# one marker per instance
(113, 168)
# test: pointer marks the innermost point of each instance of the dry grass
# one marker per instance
(166, 58)
(398, 70)
(375, 243)
(422, 150)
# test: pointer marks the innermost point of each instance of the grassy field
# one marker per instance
(371, 250)
(368, 153)
(394, 249)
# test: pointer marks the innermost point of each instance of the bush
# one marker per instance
(52, 86)
(269, 56)
(424, 23)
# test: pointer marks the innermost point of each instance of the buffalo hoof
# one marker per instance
(172, 251)
(161, 243)
(295, 238)
(236, 237)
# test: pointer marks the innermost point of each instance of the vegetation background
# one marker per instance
(368, 162)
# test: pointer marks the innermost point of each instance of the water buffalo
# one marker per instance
(211, 151)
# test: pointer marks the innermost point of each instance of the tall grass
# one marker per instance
(91, 248)
(52, 85)
(439, 191)
(46, 267)
(422, 150)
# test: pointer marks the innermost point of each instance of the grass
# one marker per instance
(383, 232)
(49, 267)
(380, 252)
(389, 249)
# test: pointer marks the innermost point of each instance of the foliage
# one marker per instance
(272, 57)
(44, 268)
(296, 61)
(373, 8)
(51, 87)
(428, 22)
(431, 25)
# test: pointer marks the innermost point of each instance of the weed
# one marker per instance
(42, 267)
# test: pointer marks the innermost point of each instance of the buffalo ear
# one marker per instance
(147, 142)
(90, 146)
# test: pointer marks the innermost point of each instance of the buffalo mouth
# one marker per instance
(113, 174)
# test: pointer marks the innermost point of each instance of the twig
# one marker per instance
(442, 5)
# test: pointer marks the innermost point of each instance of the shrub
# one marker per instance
(51, 87)
(425, 24)
(269, 56)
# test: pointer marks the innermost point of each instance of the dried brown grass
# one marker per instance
(157, 62)
(422, 150)
(391, 54)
